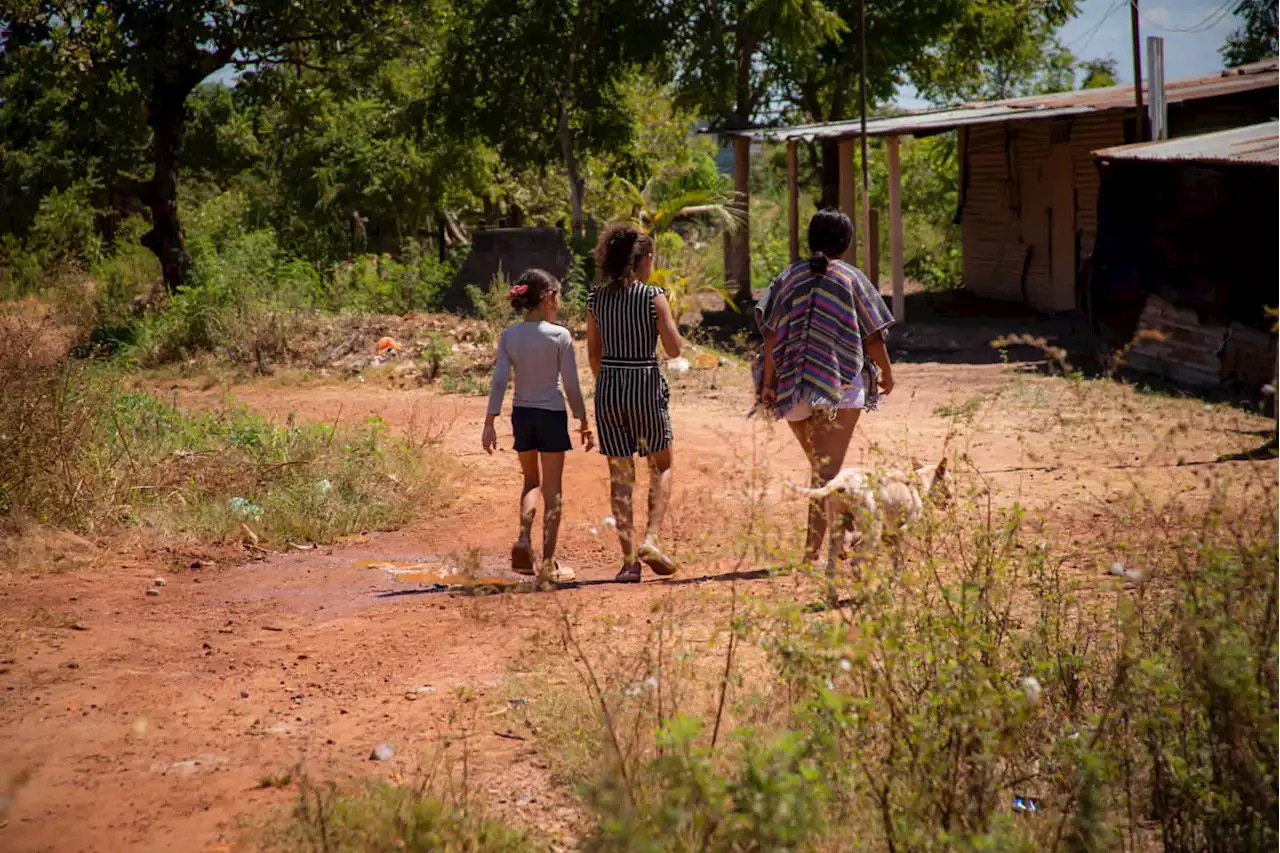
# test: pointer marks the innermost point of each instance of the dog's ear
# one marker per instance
(941, 470)
(915, 464)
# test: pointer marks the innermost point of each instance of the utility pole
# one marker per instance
(862, 92)
(1139, 117)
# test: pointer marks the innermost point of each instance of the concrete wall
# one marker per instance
(513, 250)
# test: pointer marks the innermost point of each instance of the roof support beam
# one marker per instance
(895, 230)
(847, 195)
(793, 199)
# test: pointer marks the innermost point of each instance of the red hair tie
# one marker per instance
(519, 290)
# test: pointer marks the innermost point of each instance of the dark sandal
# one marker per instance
(629, 574)
(657, 561)
(522, 558)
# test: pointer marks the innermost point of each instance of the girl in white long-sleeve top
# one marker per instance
(542, 354)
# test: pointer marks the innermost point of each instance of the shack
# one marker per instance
(1028, 182)
(1187, 240)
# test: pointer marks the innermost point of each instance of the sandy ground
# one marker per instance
(145, 722)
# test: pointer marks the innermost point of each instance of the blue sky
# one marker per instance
(1102, 29)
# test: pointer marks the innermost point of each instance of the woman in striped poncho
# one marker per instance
(824, 353)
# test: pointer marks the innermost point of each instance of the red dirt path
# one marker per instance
(151, 728)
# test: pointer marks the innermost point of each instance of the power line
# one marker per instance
(1088, 36)
(1207, 23)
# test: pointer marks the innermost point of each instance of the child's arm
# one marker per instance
(572, 390)
(667, 328)
(497, 390)
(595, 346)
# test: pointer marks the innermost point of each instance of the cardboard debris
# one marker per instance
(1173, 343)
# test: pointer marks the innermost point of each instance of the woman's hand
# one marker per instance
(588, 440)
(768, 395)
(489, 438)
(885, 381)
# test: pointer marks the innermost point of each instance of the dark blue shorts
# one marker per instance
(540, 429)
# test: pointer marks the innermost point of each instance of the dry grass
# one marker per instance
(79, 452)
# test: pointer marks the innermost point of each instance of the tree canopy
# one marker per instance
(133, 64)
(1255, 39)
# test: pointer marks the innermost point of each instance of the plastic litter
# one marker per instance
(244, 508)
(1026, 805)
(678, 366)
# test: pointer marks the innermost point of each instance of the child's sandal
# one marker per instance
(553, 572)
(659, 562)
(522, 558)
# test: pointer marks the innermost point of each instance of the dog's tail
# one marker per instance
(808, 493)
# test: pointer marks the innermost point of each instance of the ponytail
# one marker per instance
(818, 263)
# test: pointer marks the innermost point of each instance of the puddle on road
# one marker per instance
(432, 573)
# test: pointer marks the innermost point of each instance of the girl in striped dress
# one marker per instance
(625, 319)
(824, 354)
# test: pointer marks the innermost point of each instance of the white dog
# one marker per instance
(882, 503)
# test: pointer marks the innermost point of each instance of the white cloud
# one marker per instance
(1157, 16)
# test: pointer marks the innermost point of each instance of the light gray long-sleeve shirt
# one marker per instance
(542, 354)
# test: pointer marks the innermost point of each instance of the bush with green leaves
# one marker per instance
(79, 451)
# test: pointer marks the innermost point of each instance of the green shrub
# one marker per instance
(376, 816)
(79, 452)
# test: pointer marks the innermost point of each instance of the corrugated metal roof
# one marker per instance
(1259, 75)
(1257, 144)
(1246, 78)
(924, 122)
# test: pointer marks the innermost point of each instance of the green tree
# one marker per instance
(1099, 73)
(1255, 39)
(542, 82)
(998, 49)
(725, 56)
(352, 158)
(820, 80)
(149, 58)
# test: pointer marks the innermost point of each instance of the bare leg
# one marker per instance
(659, 493)
(830, 444)
(552, 476)
(622, 481)
(528, 495)
(817, 507)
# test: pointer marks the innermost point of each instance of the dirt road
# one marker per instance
(131, 721)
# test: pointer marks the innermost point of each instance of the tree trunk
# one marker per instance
(576, 183)
(167, 111)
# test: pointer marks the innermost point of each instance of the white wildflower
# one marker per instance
(1118, 569)
(594, 531)
(1134, 575)
(1031, 688)
(845, 666)
(610, 522)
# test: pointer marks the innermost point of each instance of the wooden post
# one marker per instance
(847, 195)
(742, 239)
(793, 199)
(895, 231)
(873, 247)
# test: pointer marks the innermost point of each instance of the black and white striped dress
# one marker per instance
(631, 393)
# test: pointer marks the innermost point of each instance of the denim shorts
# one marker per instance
(545, 430)
(854, 397)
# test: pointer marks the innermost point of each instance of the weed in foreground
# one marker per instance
(382, 816)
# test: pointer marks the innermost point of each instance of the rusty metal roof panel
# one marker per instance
(1257, 144)
(924, 122)
(1259, 75)
(1246, 78)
